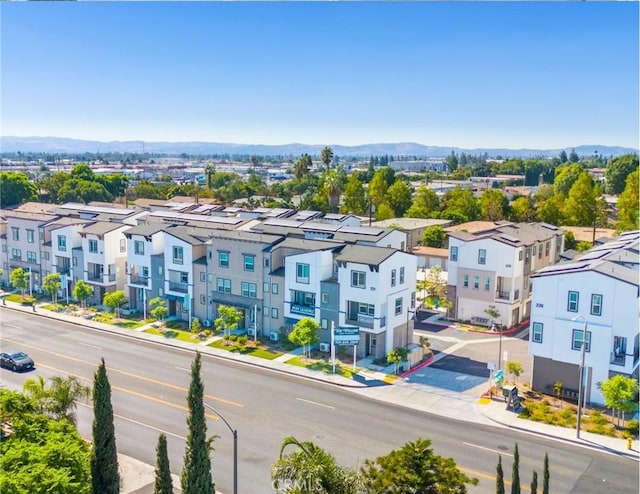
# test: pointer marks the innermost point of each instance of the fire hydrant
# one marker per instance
(629, 441)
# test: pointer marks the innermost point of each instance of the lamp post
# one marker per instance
(581, 383)
(235, 447)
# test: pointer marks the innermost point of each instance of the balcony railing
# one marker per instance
(63, 270)
(503, 295)
(306, 310)
(175, 286)
(618, 359)
(101, 278)
(139, 280)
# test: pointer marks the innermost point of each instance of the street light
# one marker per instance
(235, 447)
(580, 384)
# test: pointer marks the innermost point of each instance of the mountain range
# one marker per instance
(62, 145)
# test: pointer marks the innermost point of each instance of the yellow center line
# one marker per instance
(125, 373)
(475, 473)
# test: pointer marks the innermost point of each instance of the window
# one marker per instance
(572, 302)
(325, 298)
(487, 284)
(366, 309)
(145, 271)
(324, 323)
(398, 306)
(274, 312)
(249, 290)
(536, 334)
(402, 275)
(265, 311)
(16, 254)
(62, 242)
(203, 299)
(546, 248)
(358, 279)
(159, 270)
(4, 247)
(178, 255)
(476, 282)
(15, 233)
(393, 277)
(209, 255)
(302, 273)
(138, 247)
(31, 257)
(123, 245)
(265, 287)
(266, 262)
(224, 285)
(184, 277)
(46, 256)
(203, 276)
(540, 252)
(160, 292)
(413, 299)
(519, 255)
(274, 288)
(527, 255)
(576, 343)
(93, 246)
(596, 304)
(30, 236)
(482, 256)
(249, 262)
(223, 259)
(210, 278)
(453, 253)
(465, 281)
(75, 261)
(534, 251)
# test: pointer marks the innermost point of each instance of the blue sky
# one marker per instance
(504, 74)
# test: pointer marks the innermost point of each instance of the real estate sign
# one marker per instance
(346, 335)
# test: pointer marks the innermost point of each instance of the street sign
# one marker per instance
(346, 335)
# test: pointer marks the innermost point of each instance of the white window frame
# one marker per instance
(596, 308)
(482, 256)
(358, 279)
(537, 332)
(138, 247)
(453, 253)
(303, 273)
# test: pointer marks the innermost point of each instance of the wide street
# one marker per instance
(149, 384)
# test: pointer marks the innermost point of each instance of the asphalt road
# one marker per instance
(149, 385)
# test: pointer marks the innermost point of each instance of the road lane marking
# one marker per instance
(316, 403)
(90, 345)
(125, 373)
(507, 482)
(12, 326)
(502, 453)
(183, 369)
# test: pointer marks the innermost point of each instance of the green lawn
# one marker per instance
(322, 366)
(246, 350)
(16, 297)
(175, 333)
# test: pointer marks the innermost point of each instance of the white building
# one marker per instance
(601, 287)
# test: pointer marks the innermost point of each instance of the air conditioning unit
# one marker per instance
(324, 347)
(206, 323)
(251, 332)
(273, 336)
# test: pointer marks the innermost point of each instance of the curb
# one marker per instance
(419, 366)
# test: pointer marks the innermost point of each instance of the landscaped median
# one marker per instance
(255, 349)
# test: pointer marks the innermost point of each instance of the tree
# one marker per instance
(159, 310)
(425, 204)
(460, 205)
(522, 210)
(163, 482)
(114, 300)
(619, 393)
(228, 319)
(16, 189)
(51, 285)
(550, 207)
(60, 399)
(545, 475)
(396, 356)
(515, 472)
(514, 367)
(332, 188)
(384, 212)
(566, 176)
(617, 171)
(326, 156)
(354, 199)
(580, 206)
(570, 240)
(494, 205)
(104, 456)
(399, 197)
(434, 236)
(196, 473)
(534, 483)
(414, 468)
(302, 166)
(629, 205)
(434, 285)
(305, 334)
(310, 469)
(20, 279)
(493, 313)
(452, 162)
(82, 291)
(499, 477)
(381, 181)
(196, 327)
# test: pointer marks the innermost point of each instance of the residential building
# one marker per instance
(413, 227)
(599, 287)
(491, 266)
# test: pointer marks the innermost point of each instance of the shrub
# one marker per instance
(242, 340)
(632, 427)
(233, 337)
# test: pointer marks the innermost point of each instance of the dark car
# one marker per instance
(16, 361)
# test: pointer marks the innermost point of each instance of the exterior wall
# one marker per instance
(329, 302)
(32, 261)
(174, 289)
(320, 268)
(619, 318)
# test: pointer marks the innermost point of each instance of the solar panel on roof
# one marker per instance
(509, 238)
(548, 226)
(324, 227)
(361, 230)
(281, 222)
(590, 256)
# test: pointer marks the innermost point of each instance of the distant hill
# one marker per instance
(11, 144)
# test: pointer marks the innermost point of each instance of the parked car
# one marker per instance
(16, 361)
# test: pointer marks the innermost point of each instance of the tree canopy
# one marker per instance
(305, 334)
(617, 171)
(16, 189)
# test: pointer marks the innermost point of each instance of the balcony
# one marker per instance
(139, 280)
(618, 359)
(176, 286)
(305, 310)
(501, 295)
(63, 270)
(101, 278)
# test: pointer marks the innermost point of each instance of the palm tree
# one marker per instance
(312, 469)
(326, 156)
(59, 399)
(36, 389)
(333, 189)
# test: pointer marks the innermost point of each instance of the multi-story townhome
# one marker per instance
(599, 288)
(492, 266)
(24, 241)
(64, 236)
(144, 276)
(237, 274)
(377, 294)
(104, 255)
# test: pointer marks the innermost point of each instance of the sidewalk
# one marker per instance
(371, 382)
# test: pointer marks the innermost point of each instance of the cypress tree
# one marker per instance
(105, 478)
(545, 475)
(499, 477)
(534, 483)
(515, 473)
(164, 484)
(196, 473)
